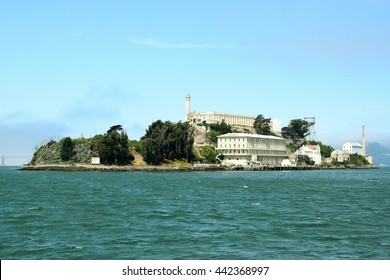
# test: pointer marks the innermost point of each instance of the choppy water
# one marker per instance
(200, 215)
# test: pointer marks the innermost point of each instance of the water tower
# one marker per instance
(312, 130)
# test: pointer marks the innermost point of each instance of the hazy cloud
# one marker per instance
(20, 139)
(155, 43)
(101, 103)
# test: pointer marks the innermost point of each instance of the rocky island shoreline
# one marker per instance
(170, 147)
(175, 168)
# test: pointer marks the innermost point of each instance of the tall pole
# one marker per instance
(188, 107)
(2, 160)
(363, 141)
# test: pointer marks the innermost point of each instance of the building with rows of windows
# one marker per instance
(231, 119)
(353, 148)
(241, 149)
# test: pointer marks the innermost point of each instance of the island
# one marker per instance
(185, 146)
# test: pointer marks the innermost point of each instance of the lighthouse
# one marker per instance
(363, 141)
(188, 108)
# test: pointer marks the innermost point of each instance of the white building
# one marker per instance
(213, 117)
(340, 156)
(286, 163)
(95, 160)
(241, 149)
(231, 119)
(312, 151)
(353, 148)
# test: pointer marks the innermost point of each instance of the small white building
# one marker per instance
(340, 156)
(286, 163)
(95, 160)
(242, 149)
(312, 151)
(353, 148)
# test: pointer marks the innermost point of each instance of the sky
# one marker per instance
(75, 68)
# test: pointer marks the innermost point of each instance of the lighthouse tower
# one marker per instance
(363, 141)
(188, 108)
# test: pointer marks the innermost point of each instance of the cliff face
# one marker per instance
(200, 137)
(49, 153)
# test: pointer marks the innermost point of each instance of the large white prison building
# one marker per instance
(241, 149)
(231, 119)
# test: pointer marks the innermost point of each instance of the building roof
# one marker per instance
(340, 152)
(223, 114)
(354, 144)
(247, 135)
(307, 149)
(313, 147)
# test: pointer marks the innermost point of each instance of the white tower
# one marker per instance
(188, 108)
(363, 141)
(311, 121)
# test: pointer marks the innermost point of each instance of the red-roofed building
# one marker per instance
(312, 151)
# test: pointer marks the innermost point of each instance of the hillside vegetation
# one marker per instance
(112, 148)
(170, 143)
(164, 142)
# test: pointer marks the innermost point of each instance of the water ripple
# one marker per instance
(206, 215)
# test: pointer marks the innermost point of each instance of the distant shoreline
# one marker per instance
(171, 168)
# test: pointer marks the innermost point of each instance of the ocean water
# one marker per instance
(298, 215)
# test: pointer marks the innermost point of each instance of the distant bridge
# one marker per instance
(3, 158)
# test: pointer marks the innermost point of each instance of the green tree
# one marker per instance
(291, 147)
(305, 159)
(166, 141)
(326, 151)
(206, 125)
(213, 136)
(209, 154)
(66, 148)
(262, 125)
(217, 129)
(221, 128)
(296, 131)
(358, 160)
(153, 142)
(113, 147)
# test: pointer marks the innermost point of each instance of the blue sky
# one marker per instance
(71, 68)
